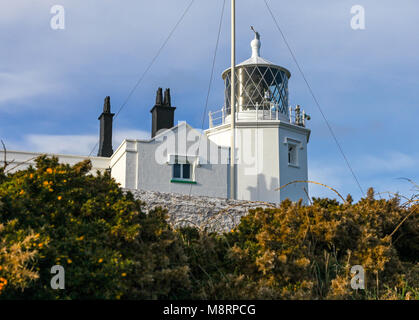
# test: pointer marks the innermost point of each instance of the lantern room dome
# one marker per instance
(256, 59)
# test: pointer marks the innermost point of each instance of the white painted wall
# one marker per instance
(258, 163)
(290, 173)
(220, 135)
(262, 159)
(20, 160)
(138, 164)
(118, 163)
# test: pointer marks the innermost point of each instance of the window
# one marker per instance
(183, 168)
(293, 147)
(186, 171)
(182, 171)
(177, 168)
(292, 155)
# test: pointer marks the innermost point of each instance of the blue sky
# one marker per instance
(53, 82)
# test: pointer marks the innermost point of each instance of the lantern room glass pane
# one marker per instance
(258, 87)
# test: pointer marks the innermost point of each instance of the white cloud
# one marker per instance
(389, 163)
(63, 144)
(378, 171)
(93, 48)
(71, 144)
(326, 173)
(17, 86)
(120, 135)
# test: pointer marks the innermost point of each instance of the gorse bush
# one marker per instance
(16, 250)
(307, 251)
(58, 214)
(86, 224)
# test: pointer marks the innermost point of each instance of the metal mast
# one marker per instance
(233, 102)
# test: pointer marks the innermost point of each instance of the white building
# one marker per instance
(270, 142)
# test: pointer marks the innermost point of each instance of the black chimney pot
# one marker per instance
(167, 99)
(105, 138)
(159, 97)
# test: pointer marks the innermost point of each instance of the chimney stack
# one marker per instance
(105, 138)
(163, 113)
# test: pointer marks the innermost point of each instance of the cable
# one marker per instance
(213, 65)
(149, 66)
(314, 98)
(211, 79)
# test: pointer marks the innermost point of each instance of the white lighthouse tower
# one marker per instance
(270, 137)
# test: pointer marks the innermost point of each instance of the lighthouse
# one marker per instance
(270, 137)
(254, 149)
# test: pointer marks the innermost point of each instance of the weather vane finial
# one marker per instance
(255, 43)
(257, 35)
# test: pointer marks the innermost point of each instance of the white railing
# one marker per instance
(260, 113)
(216, 118)
(295, 116)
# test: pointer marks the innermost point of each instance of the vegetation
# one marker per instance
(61, 215)
(55, 214)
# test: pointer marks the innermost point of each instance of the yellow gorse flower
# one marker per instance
(283, 258)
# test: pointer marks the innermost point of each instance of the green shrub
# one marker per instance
(306, 252)
(109, 248)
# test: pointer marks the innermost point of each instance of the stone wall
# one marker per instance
(212, 214)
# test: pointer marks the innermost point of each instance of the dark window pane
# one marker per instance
(186, 171)
(292, 155)
(176, 171)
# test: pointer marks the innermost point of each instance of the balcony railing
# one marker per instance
(260, 113)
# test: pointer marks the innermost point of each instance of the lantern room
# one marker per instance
(260, 84)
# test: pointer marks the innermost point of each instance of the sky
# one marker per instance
(53, 82)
